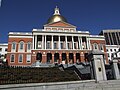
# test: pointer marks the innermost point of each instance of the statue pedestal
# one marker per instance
(97, 63)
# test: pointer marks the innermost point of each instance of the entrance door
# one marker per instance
(39, 57)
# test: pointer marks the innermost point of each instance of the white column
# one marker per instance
(66, 42)
(72, 42)
(87, 43)
(59, 43)
(81, 43)
(45, 41)
(35, 41)
(52, 42)
(42, 41)
(79, 46)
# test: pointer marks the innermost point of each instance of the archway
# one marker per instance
(39, 57)
(78, 58)
(71, 58)
(56, 57)
(64, 58)
(49, 57)
(86, 57)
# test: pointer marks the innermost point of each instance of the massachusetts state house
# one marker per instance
(58, 42)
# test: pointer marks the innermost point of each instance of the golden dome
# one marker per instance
(56, 17)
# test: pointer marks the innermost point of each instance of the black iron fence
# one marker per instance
(16, 75)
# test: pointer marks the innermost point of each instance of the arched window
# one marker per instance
(13, 45)
(101, 47)
(12, 58)
(20, 58)
(21, 45)
(29, 46)
(95, 46)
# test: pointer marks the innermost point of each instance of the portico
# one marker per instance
(58, 42)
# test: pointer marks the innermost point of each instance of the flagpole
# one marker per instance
(0, 3)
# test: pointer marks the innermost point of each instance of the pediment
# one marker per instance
(60, 24)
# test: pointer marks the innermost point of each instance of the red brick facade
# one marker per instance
(16, 53)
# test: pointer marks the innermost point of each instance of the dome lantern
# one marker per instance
(57, 12)
(56, 17)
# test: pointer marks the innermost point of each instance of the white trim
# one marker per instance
(33, 41)
(21, 50)
(42, 41)
(52, 42)
(97, 39)
(60, 34)
(65, 43)
(45, 42)
(20, 36)
(72, 42)
(59, 43)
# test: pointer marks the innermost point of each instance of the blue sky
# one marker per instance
(91, 15)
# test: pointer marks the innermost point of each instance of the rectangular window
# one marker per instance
(55, 45)
(20, 58)
(39, 45)
(28, 58)
(61, 45)
(12, 58)
(48, 45)
(68, 45)
(0, 49)
(75, 46)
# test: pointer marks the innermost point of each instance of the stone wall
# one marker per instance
(75, 85)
